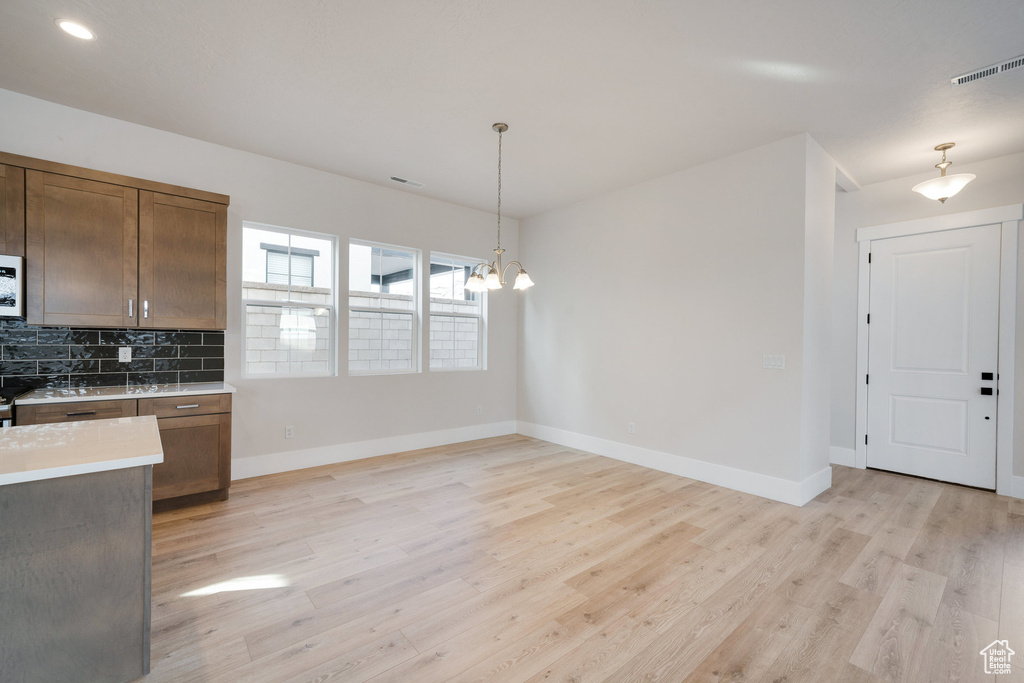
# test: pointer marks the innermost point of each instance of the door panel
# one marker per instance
(938, 424)
(12, 210)
(934, 302)
(930, 293)
(182, 263)
(82, 251)
(194, 455)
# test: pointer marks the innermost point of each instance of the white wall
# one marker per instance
(819, 231)
(1000, 182)
(655, 303)
(328, 414)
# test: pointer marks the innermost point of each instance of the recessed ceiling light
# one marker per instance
(77, 30)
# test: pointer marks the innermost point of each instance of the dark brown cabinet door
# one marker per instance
(197, 455)
(12, 210)
(82, 251)
(182, 263)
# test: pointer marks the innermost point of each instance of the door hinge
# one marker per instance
(865, 439)
(869, 257)
(867, 379)
(869, 318)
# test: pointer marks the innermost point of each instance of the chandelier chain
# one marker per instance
(499, 189)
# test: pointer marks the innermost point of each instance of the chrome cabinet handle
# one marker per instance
(84, 412)
(145, 308)
(192, 405)
(131, 313)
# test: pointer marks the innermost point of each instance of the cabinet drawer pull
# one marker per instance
(83, 412)
(191, 405)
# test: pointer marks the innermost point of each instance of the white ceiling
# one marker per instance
(598, 94)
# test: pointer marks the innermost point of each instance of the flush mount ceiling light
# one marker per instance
(77, 30)
(945, 186)
(491, 275)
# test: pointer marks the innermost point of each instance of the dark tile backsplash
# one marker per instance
(61, 357)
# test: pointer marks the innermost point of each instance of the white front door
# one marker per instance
(933, 332)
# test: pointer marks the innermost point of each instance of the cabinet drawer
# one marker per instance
(72, 412)
(183, 406)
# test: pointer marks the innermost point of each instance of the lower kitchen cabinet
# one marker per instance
(195, 432)
(194, 463)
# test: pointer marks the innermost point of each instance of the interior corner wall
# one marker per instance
(819, 232)
(334, 418)
(655, 303)
(999, 182)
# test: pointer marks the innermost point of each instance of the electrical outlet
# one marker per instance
(124, 354)
(773, 362)
(289, 432)
(479, 410)
(631, 427)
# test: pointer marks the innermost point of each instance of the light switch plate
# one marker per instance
(124, 354)
(773, 362)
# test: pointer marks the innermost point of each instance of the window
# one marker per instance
(456, 316)
(289, 299)
(382, 310)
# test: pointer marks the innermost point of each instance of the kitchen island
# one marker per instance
(75, 549)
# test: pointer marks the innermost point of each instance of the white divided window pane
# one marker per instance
(457, 317)
(297, 270)
(287, 340)
(289, 300)
(382, 309)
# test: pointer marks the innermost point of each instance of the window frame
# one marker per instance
(332, 306)
(481, 317)
(416, 312)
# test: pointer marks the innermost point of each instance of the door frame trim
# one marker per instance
(1009, 217)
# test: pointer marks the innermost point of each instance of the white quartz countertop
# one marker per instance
(48, 451)
(113, 393)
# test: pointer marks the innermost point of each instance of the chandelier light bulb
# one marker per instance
(475, 283)
(523, 281)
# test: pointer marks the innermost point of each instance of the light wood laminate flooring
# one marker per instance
(513, 559)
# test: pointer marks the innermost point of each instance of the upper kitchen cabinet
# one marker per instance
(182, 262)
(82, 246)
(105, 250)
(12, 210)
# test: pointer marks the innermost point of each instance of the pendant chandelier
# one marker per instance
(945, 186)
(491, 275)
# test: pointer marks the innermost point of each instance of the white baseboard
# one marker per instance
(1017, 487)
(843, 456)
(783, 490)
(273, 463)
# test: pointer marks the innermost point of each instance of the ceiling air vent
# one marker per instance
(977, 74)
(405, 181)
